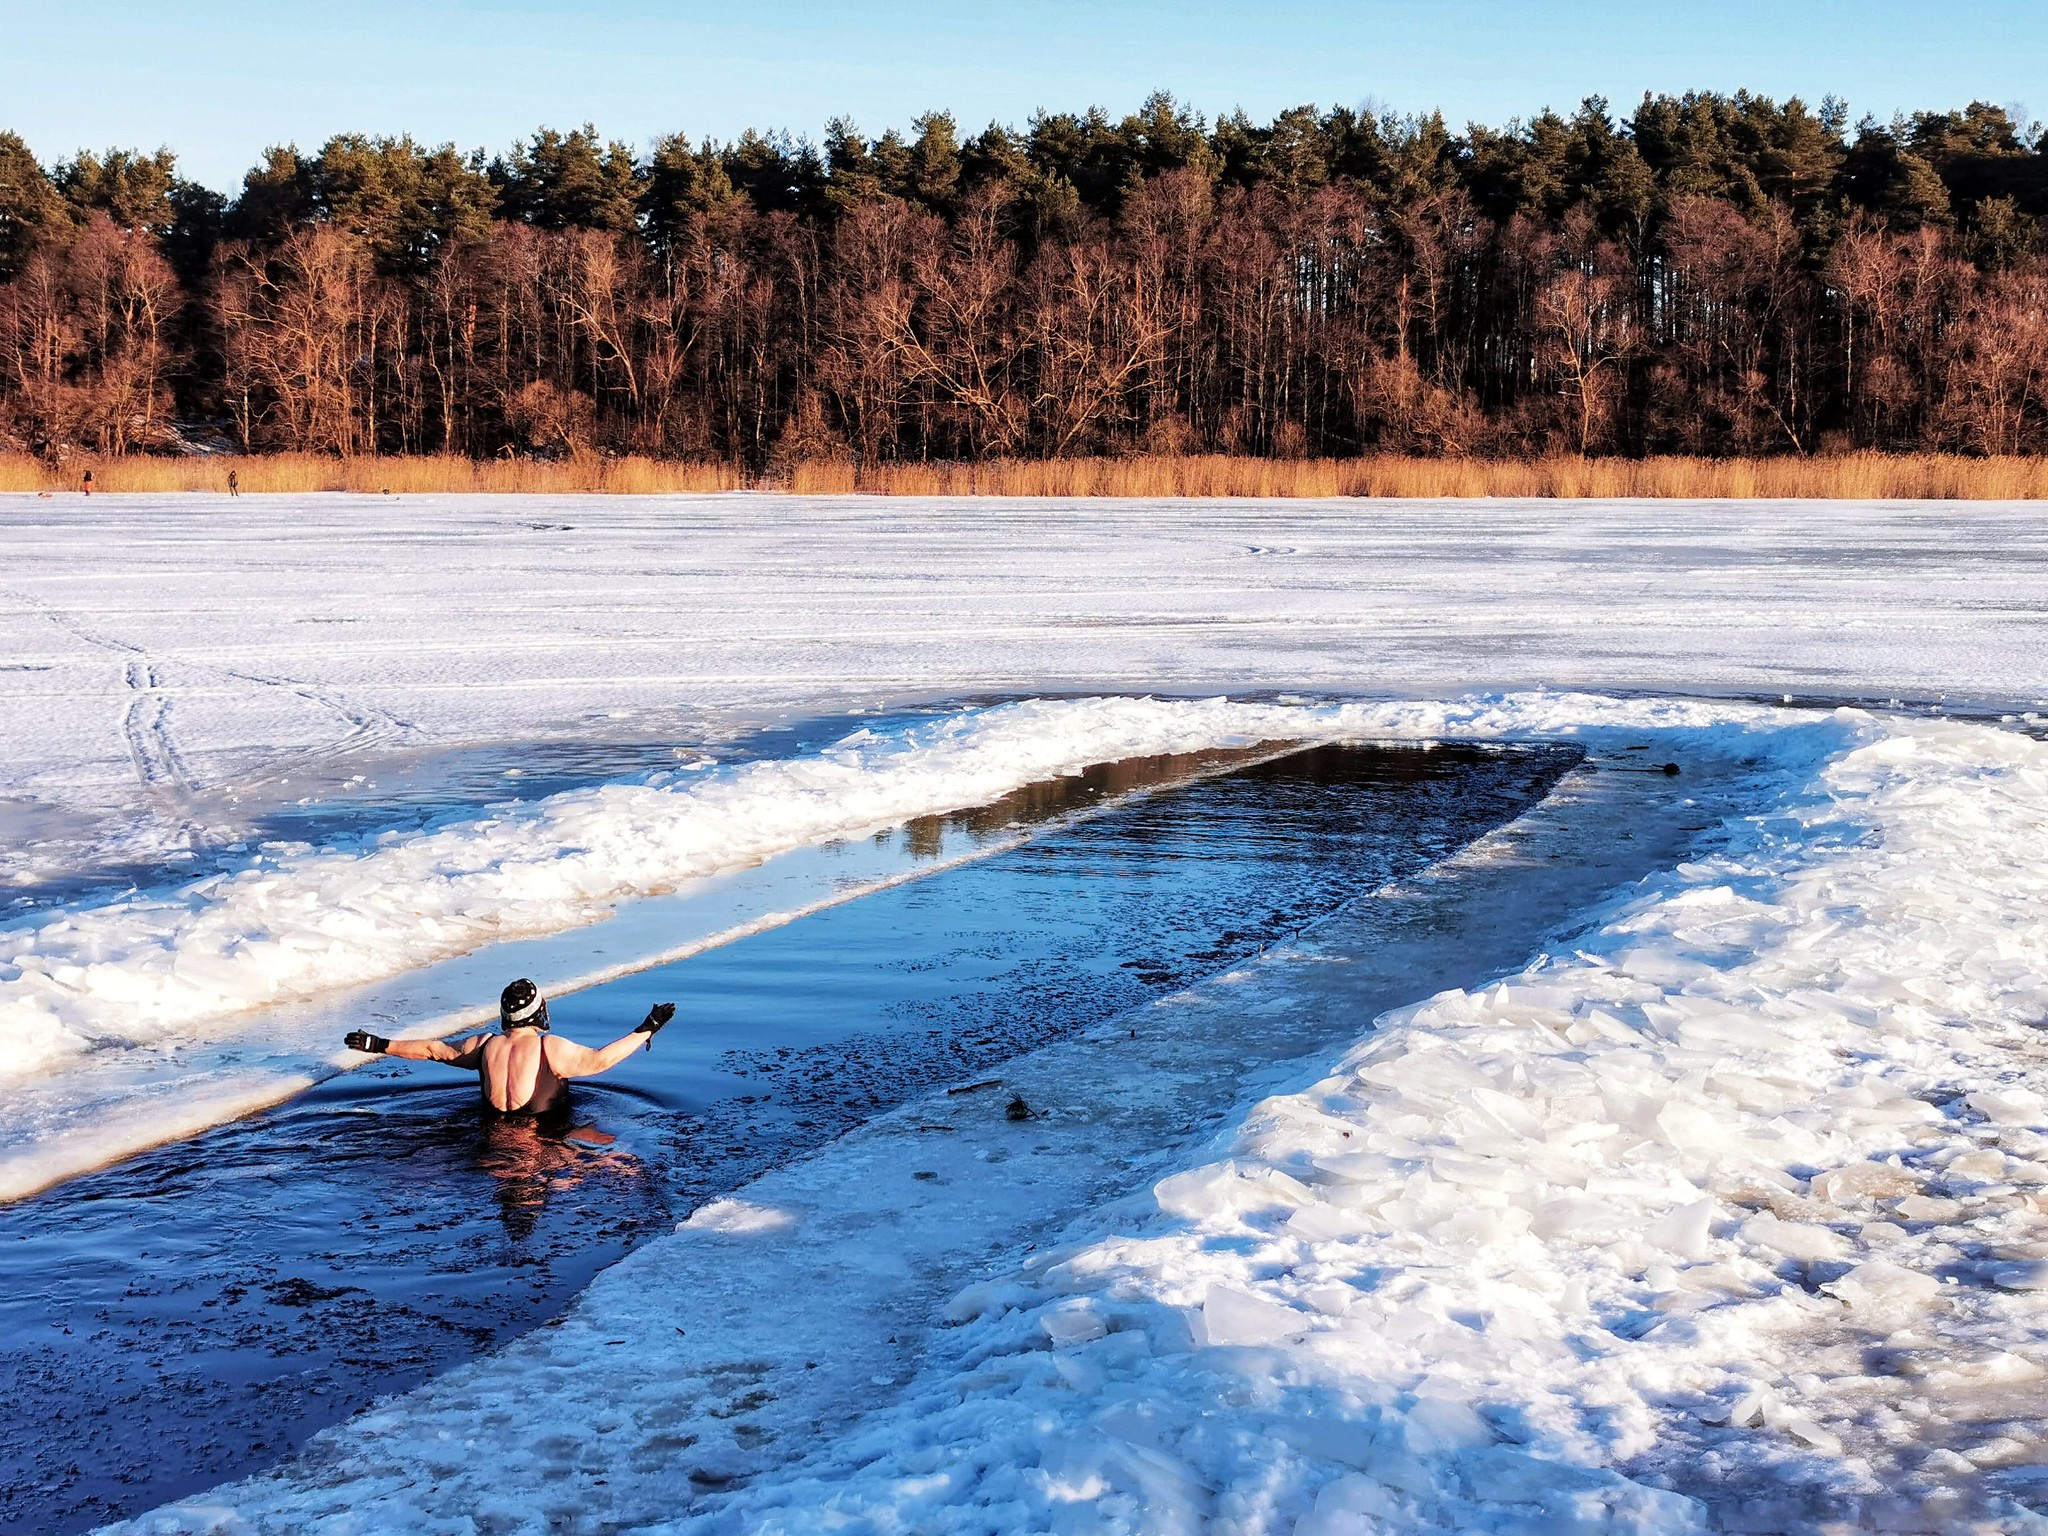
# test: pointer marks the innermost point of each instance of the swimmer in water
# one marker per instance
(523, 1070)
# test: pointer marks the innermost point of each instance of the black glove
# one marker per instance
(363, 1040)
(657, 1016)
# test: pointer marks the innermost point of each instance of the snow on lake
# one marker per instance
(1724, 1208)
(172, 667)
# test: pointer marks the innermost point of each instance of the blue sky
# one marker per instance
(218, 81)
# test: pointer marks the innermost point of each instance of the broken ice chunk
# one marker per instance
(1879, 1286)
(1806, 1430)
(1794, 1239)
(1860, 1183)
(1228, 1189)
(2019, 1277)
(1928, 1208)
(1072, 1323)
(1684, 1231)
(2016, 1105)
(1578, 1217)
(1231, 1317)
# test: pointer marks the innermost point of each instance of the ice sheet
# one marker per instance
(171, 665)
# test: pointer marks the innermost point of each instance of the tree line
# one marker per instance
(1713, 274)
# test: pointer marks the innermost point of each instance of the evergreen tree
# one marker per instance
(776, 173)
(932, 172)
(31, 208)
(1085, 152)
(685, 185)
(276, 196)
(569, 181)
(854, 174)
(1164, 136)
(406, 202)
(1884, 176)
(132, 189)
(1981, 153)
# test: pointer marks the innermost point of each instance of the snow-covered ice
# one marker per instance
(173, 664)
(1728, 1208)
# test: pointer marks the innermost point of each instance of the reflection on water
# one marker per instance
(531, 1160)
(790, 1037)
(1029, 805)
(198, 1311)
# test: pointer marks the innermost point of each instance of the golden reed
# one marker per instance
(261, 473)
(1855, 477)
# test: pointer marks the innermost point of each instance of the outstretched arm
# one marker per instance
(465, 1054)
(572, 1060)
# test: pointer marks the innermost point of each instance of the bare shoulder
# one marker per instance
(471, 1049)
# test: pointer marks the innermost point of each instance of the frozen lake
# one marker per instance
(1679, 1157)
(173, 668)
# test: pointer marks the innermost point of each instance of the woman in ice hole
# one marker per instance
(524, 1069)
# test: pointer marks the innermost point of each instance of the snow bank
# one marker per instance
(1661, 1215)
(168, 967)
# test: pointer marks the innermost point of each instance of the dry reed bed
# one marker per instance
(1860, 477)
(412, 475)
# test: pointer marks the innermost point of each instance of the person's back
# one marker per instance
(516, 1075)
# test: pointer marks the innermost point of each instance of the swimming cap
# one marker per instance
(520, 1006)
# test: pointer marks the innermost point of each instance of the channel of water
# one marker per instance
(196, 1312)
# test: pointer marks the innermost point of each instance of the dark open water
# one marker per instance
(199, 1311)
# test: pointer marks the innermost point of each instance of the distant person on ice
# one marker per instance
(524, 1069)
